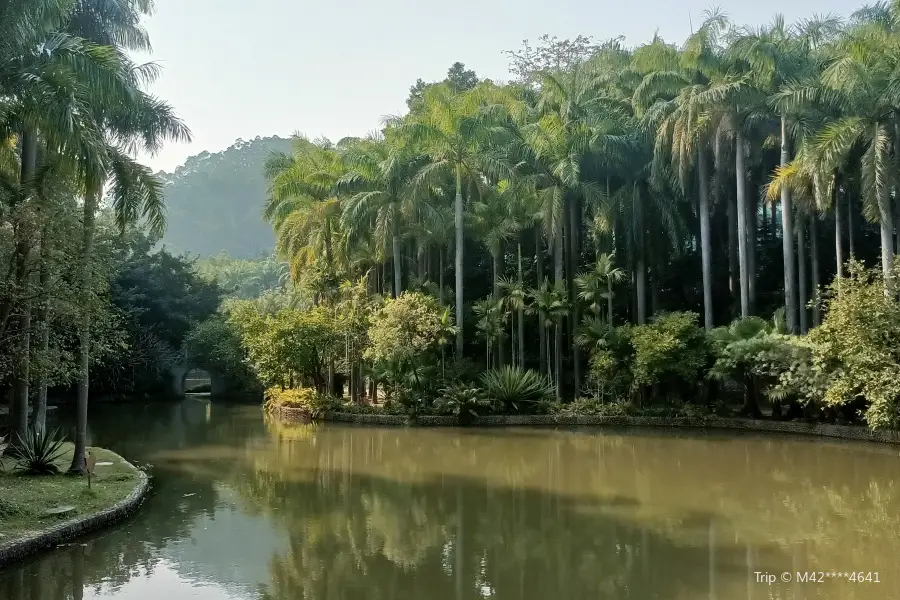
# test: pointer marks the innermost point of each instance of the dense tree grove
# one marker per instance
(607, 188)
(74, 112)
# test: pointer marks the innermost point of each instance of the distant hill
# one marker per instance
(214, 201)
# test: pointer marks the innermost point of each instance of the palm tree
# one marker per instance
(304, 203)
(493, 220)
(449, 129)
(130, 120)
(860, 77)
(597, 285)
(380, 177)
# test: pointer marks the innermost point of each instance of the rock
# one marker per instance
(59, 510)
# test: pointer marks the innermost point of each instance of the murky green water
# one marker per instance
(244, 509)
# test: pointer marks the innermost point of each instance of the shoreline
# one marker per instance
(18, 548)
(822, 430)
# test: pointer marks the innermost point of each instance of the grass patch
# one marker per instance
(25, 499)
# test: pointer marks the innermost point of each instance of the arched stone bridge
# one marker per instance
(179, 375)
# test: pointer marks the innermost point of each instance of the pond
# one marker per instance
(245, 508)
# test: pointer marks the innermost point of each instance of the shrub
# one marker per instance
(857, 344)
(516, 390)
(313, 403)
(609, 366)
(463, 402)
(672, 349)
(38, 452)
(593, 407)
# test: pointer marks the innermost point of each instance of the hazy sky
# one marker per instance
(241, 68)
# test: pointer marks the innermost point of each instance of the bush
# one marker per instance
(463, 402)
(38, 452)
(514, 390)
(609, 366)
(857, 345)
(671, 350)
(593, 407)
(313, 403)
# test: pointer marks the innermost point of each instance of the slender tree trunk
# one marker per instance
(91, 201)
(22, 379)
(398, 267)
(609, 301)
(574, 317)
(539, 269)
(801, 272)
(838, 241)
(558, 280)
(741, 191)
(441, 274)
(787, 240)
(40, 408)
(734, 280)
(751, 252)
(640, 264)
(557, 358)
(815, 268)
(850, 239)
(497, 256)
(458, 217)
(705, 241)
(22, 254)
(521, 312)
(886, 217)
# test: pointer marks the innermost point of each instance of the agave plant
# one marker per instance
(516, 390)
(38, 453)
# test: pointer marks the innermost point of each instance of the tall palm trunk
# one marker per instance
(705, 242)
(814, 265)
(441, 274)
(850, 239)
(521, 311)
(609, 301)
(398, 267)
(787, 240)
(22, 253)
(640, 264)
(458, 220)
(884, 212)
(91, 201)
(731, 221)
(838, 241)
(558, 281)
(497, 256)
(741, 191)
(801, 273)
(40, 407)
(574, 253)
(539, 269)
(751, 252)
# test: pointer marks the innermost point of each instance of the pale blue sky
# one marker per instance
(242, 68)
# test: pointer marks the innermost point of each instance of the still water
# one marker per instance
(248, 509)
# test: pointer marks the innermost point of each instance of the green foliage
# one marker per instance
(593, 407)
(214, 345)
(463, 402)
(407, 331)
(313, 403)
(244, 278)
(857, 345)
(287, 346)
(38, 453)
(671, 348)
(514, 390)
